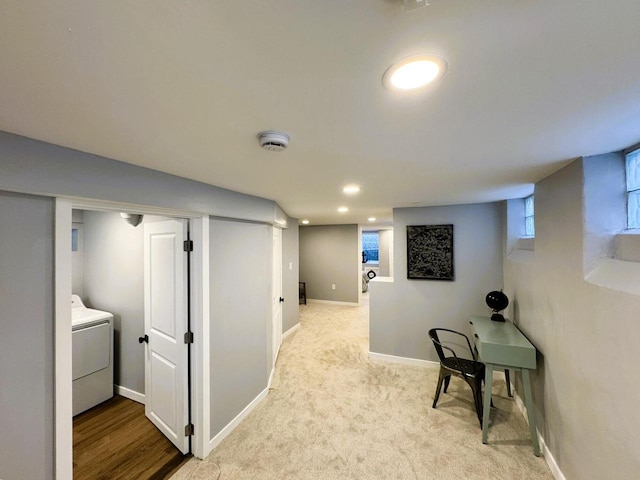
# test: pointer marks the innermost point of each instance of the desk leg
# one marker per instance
(528, 400)
(488, 380)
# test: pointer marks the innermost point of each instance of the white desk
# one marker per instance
(502, 345)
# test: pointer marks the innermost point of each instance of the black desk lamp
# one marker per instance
(497, 301)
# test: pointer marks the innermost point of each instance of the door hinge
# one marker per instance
(188, 337)
(188, 430)
(188, 245)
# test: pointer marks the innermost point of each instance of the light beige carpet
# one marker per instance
(334, 414)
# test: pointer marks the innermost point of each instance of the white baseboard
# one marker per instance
(290, 331)
(546, 453)
(273, 371)
(273, 368)
(331, 302)
(130, 394)
(215, 441)
(403, 360)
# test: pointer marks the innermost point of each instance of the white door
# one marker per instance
(165, 323)
(277, 299)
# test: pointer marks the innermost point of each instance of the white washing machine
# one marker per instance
(92, 340)
(368, 273)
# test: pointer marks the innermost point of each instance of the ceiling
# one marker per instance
(185, 86)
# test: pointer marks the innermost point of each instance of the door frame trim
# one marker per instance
(276, 347)
(62, 376)
(201, 405)
(63, 417)
(360, 264)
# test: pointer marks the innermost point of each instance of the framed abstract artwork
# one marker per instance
(430, 252)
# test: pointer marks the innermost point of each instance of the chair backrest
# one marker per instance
(440, 347)
(433, 335)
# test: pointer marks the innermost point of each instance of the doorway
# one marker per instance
(168, 405)
(376, 253)
(132, 268)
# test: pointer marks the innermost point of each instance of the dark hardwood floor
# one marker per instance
(114, 440)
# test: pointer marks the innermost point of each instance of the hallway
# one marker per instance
(334, 414)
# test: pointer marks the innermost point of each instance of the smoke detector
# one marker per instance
(273, 141)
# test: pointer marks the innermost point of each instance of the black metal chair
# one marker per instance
(471, 371)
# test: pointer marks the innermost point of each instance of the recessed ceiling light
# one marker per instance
(343, 209)
(414, 72)
(305, 222)
(372, 219)
(351, 189)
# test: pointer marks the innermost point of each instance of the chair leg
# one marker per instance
(508, 380)
(446, 383)
(435, 399)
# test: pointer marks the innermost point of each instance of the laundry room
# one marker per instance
(108, 276)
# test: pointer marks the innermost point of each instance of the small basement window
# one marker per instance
(74, 240)
(370, 246)
(633, 189)
(529, 224)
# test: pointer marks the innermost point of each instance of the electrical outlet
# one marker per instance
(333, 286)
(290, 265)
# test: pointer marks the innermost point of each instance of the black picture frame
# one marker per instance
(430, 252)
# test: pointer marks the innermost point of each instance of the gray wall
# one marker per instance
(290, 275)
(32, 166)
(585, 389)
(402, 311)
(240, 289)
(113, 280)
(329, 255)
(605, 205)
(26, 333)
(385, 244)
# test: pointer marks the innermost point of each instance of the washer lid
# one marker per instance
(88, 315)
(81, 315)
